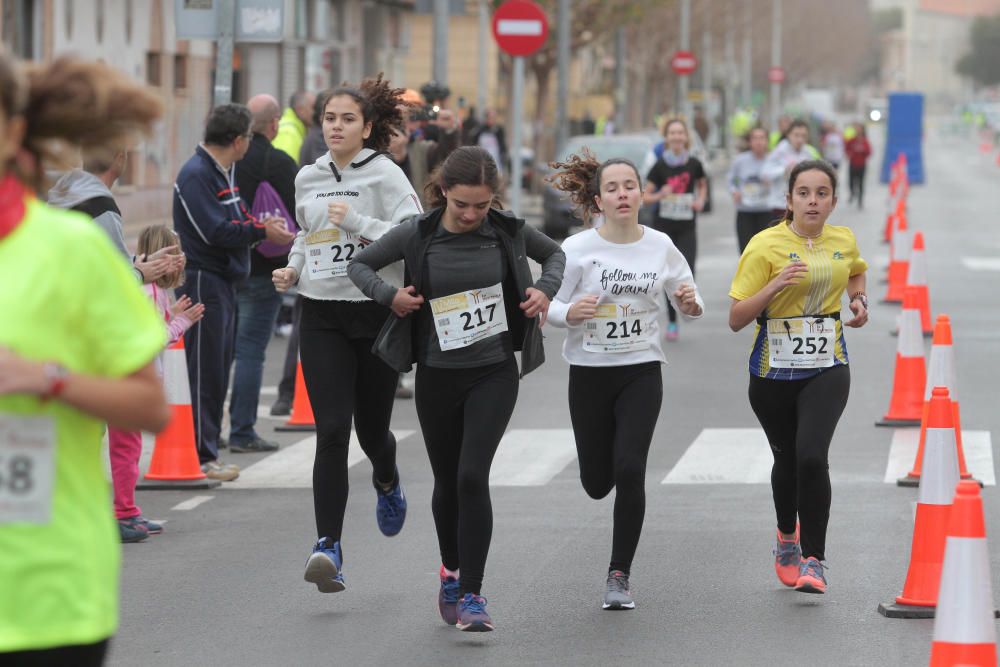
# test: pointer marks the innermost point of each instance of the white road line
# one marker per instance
(291, 466)
(902, 453)
(977, 446)
(191, 503)
(724, 456)
(981, 263)
(532, 457)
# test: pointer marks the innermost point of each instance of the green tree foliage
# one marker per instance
(980, 63)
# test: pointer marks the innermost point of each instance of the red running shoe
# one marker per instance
(788, 559)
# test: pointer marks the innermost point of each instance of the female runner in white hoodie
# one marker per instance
(346, 199)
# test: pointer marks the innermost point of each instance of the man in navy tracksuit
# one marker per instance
(216, 233)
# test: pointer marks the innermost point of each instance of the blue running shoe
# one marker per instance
(152, 527)
(390, 507)
(811, 577)
(325, 566)
(472, 614)
(448, 598)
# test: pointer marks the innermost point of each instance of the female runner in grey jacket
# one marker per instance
(467, 304)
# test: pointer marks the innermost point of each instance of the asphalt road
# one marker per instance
(223, 585)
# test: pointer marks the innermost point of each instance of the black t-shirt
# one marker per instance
(682, 179)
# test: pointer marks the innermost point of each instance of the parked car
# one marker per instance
(557, 210)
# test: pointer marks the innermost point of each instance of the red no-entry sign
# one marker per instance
(683, 63)
(776, 74)
(520, 27)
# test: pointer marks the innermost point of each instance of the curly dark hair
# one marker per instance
(380, 105)
(580, 177)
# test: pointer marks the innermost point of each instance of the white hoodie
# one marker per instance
(380, 197)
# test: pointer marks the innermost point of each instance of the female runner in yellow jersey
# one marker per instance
(790, 279)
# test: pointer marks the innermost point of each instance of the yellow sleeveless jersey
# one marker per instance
(832, 259)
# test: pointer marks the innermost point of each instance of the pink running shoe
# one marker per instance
(787, 559)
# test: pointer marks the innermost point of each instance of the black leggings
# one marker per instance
(463, 414)
(748, 223)
(78, 655)
(799, 418)
(614, 411)
(685, 237)
(856, 177)
(344, 380)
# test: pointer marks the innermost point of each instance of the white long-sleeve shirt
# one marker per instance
(774, 171)
(632, 282)
(380, 197)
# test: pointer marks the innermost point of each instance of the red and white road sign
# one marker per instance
(776, 74)
(520, 27)
(683, 63)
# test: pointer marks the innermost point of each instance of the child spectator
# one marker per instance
(126, 446)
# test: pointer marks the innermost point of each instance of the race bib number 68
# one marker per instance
(27, 468)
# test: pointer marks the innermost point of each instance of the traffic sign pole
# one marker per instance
(517, 103)
(775, 61)
(520, 29)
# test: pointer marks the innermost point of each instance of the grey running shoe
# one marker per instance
(258, 444)
(618, 596)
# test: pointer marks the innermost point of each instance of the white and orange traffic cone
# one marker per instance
(916, 277)
(175, 454)
(900, 249)
(933, 508)
(302, 418)
(940, 373)
(907, 401)
(964, 631)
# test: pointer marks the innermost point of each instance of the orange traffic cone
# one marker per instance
(890, 223)
(175, 454)
(964, 633)
(302, 418)
(907, 401)
(933, 507)
(916, 277)
(940, 373)
(900, 249)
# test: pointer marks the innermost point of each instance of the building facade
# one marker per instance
(324, 42)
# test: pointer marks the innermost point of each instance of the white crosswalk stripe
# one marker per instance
(976, 445)
(532, 457)
(724, 456)
(291, 467)
(981, 263)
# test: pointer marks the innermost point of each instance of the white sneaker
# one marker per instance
(224, 472)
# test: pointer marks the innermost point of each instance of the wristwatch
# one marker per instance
(862, 297)
(55, 376)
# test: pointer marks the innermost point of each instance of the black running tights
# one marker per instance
(685, 236)
(463, 414)
(614, 411)
(344, 380)
(799, 418)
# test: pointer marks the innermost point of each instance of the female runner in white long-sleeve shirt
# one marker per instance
(613, 300)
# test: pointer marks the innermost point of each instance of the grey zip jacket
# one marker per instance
(409, 242)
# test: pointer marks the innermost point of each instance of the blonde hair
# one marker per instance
(687, 133)
(158, 237)
(71, 103)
